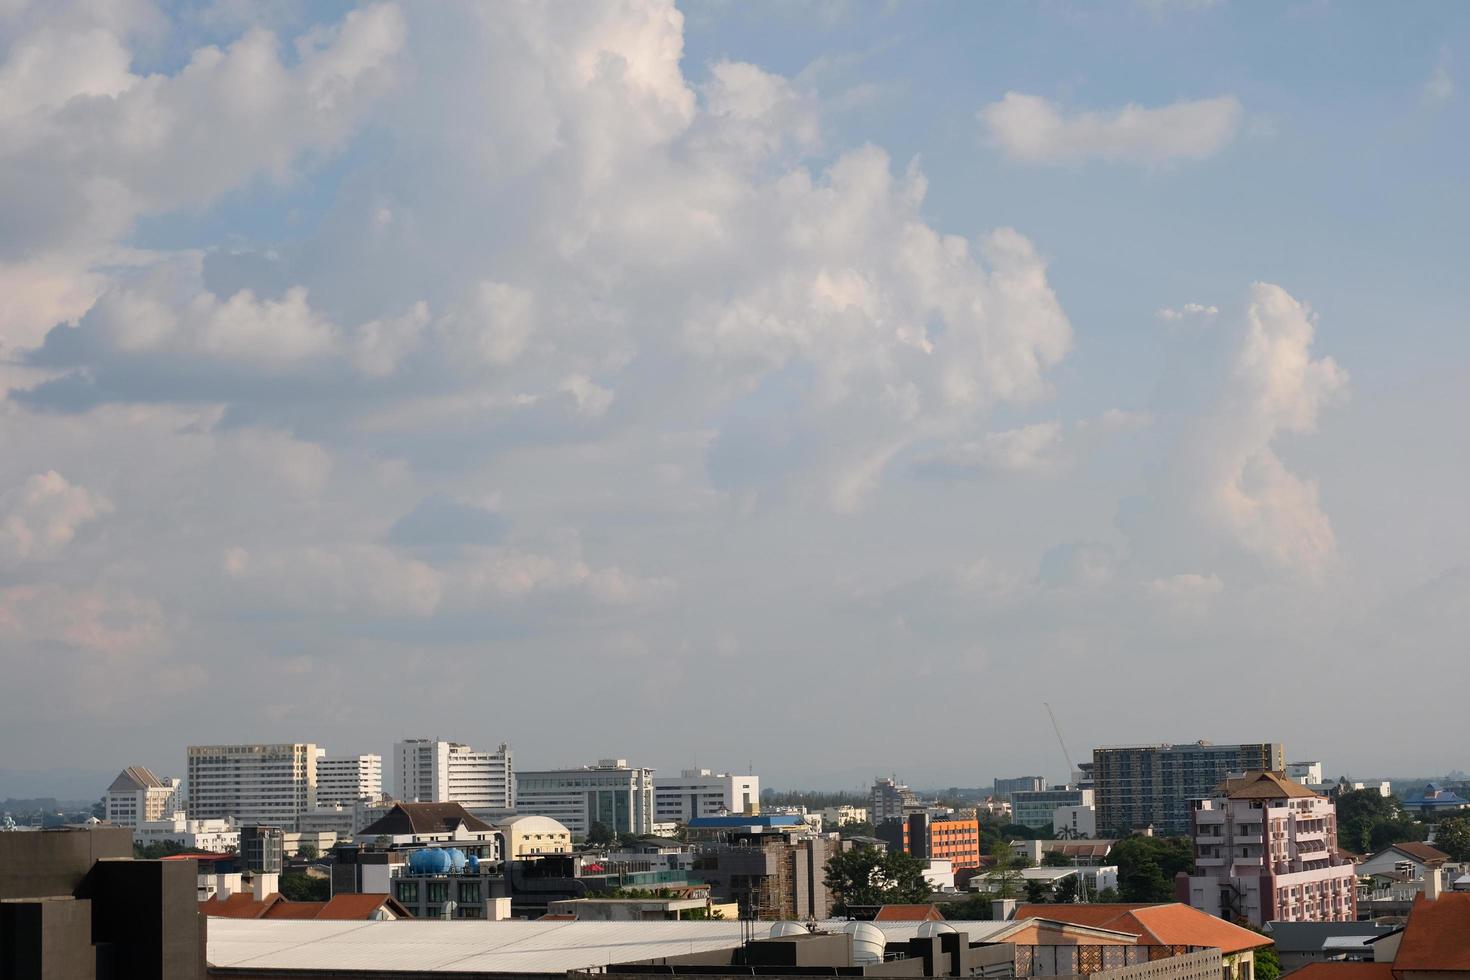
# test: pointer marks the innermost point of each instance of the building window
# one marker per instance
(408, 892)
(470, 892)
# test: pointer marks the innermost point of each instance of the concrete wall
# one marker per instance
(1206, 965)
(46, 939)
(54, 862)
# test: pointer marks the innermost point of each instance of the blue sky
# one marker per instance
(733, 377)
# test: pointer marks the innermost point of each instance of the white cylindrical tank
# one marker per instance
(868, 943)
(789, 928)
(928, 930)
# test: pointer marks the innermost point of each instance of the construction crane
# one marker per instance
(1067, 756)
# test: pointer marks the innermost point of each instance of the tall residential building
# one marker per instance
(138, 796)
(612, 793)
(343, 780)
(701, 793)
(1151, 785)
(1035, 808)
(890, 800)
(270, 784)
(431, 770)
(1266, 851)
(1020, 784)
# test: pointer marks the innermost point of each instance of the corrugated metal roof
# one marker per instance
(500, 947)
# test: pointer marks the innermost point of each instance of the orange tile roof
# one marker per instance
(1171, 924)
(907, 913)
(294, 910)
(1435, 936)
(241, 905)
(1344, 971)
(360, 906)
(1259, 784)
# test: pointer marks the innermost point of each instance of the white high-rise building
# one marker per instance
(612, 793)
(701, 793)
(343, 780)
(265, 784)
(431, 770)
(1306, 773)
(138, 796)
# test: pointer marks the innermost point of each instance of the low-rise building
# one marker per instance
(433, 823)
(770, 872)
(197, 835)
(891, 800)
(1307, 773)
(613, 794)
(1266, 850)
(1018, 784)
(951, 838)
(1301, 943)
(1074, 821)
(1034, 808)
(532, 836)
(262, 849)
(836, 816)
(702, 793)
(1435, 801)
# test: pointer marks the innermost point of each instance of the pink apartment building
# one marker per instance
(1266, 850)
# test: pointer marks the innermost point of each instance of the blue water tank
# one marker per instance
(474, 864)
(429, 861)
(456, 859)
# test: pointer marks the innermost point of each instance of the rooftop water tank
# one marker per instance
(928, 930)
(789, 928)
(868, 943)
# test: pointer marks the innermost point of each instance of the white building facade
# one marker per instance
(217, 836)
(1266, 850)
(428, 770)
(1034, 808)
(1306, 773)
(612, 793)
(343, 780)
(267, 784)
(138, 796)
(1073, 821)
(701, 793)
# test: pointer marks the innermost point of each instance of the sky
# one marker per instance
(814, 388)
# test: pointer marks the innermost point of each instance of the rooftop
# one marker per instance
(1424, 853)
(1171, 924)
(514, 946)
(425, 818)
(134, 778)
(1434, 937)
(1261, 785)
(1312, 937)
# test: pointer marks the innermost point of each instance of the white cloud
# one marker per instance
(1029, 449)
(39, 518)
(1033, 129)
(1189, 311)
(1187, 586)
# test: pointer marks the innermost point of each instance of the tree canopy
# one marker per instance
(1452, 835)
(1368, 821)
(1147, 866)
(871, 876)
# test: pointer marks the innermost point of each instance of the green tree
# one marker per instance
(1268, 963)
(1056, 859)
(601, 835)
(976, 908)
(308, 852)
(1108, 895)
(1036, 892)
(305, 888)
(1452, 835)
(1006, 877)
(857, 828)
(1368, 821)
(1066, 890)
(1147, 866)
(871, 876)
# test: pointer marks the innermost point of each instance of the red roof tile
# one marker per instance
(1344, 971)
(907, 913)
(1426, 853)
(1171, 924)
(1435, 937)
(241, 905)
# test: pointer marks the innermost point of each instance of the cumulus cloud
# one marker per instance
(1228, 462)
(1029, 449)
(87, 146)
(39, 518)
(1441, 85)
(1033, 129)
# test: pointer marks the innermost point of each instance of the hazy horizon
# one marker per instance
(814, 387)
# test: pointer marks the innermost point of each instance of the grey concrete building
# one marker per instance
(74, 905)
